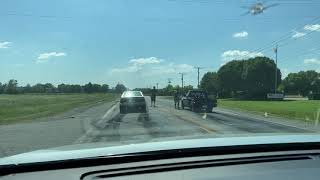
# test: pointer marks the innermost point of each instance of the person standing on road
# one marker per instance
(176, 98)
(153, 96)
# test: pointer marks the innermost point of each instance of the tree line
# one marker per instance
(12, 87)
(255, 77)
(303, 83)
(167, 91)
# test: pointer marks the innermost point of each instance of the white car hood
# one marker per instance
(70, 152)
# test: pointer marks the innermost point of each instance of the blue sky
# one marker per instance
(142, 42)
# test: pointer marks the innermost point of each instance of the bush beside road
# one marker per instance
(24, 107)
(306, 110)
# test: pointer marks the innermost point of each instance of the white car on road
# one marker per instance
(132, 102)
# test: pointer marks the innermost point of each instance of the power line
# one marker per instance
(303, 53)
(284, 37)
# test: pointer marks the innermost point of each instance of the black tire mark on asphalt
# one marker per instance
(149, 125)
(251, 125)
(111, 130)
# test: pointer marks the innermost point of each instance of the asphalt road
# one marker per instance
(103, 123)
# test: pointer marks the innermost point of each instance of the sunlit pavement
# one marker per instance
(104, 123)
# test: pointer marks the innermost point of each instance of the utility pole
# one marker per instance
(157, 85)
(276, 70)
(181, 80)
(199, 75)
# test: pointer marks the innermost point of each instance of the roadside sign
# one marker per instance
(275, 96)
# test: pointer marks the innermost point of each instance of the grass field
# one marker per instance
(15, 108)
(288, 109)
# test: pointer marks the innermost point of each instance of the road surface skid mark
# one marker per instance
(111, 114)
(182, 116)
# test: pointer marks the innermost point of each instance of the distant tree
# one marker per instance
(38, 88)
(49, 88)
(210, 83)
(1, 88)
(120, 88)
(303, 83)
(96, 88)
(62, 88)
(88, 88)
(11, 87)
(169, 90)
(104, 88)
(187, 88)
(315, 85)
(75, 88)
(27, 88)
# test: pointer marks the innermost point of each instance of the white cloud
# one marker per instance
(4, 45)
(312, 27)
(144, 72)
(44, 57)
(143, 61)
(238, 55)
(152, 66)
(136, 65)
(312, 61)
(242, 34)
(297, 35)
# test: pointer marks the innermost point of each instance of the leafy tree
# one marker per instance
(188, 87)
(11, 87)
(230, 76)
(252, 78)
(1, 88)
(49, 88)
(104, 88)
(88, 88)
(62, 88)
(75, 88)
(120, 88)
(303, 83)
(27, 89)
(168, 91)
(96, 88)
(210, 83)
(259, 77)
(38, 88)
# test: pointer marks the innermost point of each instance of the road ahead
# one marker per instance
(103, 123)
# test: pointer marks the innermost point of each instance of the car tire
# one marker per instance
(123, 110)
(144, 110)
(192, 108)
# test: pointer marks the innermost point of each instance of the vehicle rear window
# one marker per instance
(132, 93)
(197, 93)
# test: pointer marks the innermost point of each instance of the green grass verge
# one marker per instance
(14, 108)
(288, 109)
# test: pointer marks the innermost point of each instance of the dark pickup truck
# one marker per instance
(198, 100)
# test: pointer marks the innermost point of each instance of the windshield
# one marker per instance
(65, 66)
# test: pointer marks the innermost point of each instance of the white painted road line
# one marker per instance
(111, 110)
(91, 131)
